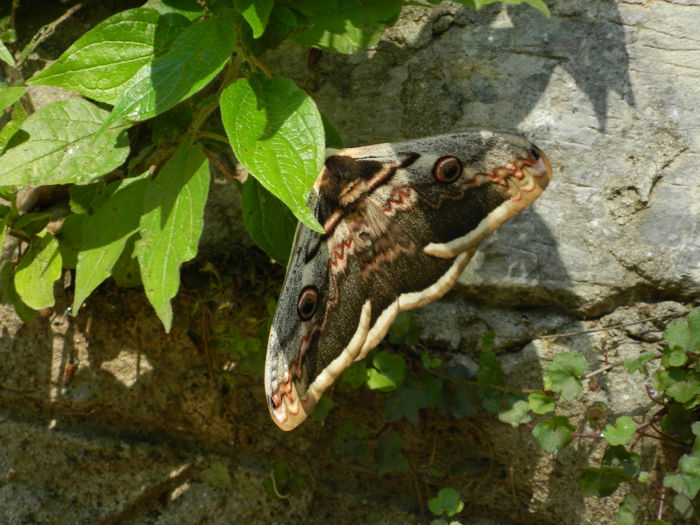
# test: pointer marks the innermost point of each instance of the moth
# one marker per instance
(401, 222)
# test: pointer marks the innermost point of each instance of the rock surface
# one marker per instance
(105, 419)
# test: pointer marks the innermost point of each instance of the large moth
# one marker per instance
(401, 222)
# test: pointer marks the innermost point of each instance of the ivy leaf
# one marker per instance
(105, 234)
(404, 330)
(540, 402)
(447, 501)
(256, 13)
(516, 415)
(553, 434)
(268, 220)
(10, 95)
(620, 433)
(103, 62)
(37, 271)
(389, 456)
(602, 481)
(354, 376)
(618, 456)
(490, 370)
(682, 384)
(563, 375)
(346, 26)
(276, 132)
(195, 57)
(695, 428)
(62, 146)
(459, 399)
(411, 397)
(322, 409)
(171, 225)
(388, 373)
(640, 363)
(217, 476)
(627, 515)
(351, 440)
(687, 480)
(678, 421)
(684, 334)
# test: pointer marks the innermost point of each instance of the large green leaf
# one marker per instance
(256, 13)
(36, 272)
(5, 55)
(347, 26)
(105, 234)
(61, 146)
(171, 225)
(192, 61)
(9, 95)
(276, 132)
(268, 220)
(105, 59)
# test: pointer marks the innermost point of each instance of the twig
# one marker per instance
(44, 33)
(568, 334)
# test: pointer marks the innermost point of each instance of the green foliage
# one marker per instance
(388, 372)
(564, 375)
(602, 481)
(165, 68)
(553, 434)
(389, 456)
(217, 476)
(621, 432)
(447, 502)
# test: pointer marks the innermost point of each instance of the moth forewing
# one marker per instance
(402, 220)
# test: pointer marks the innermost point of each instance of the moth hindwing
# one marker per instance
(401, 222)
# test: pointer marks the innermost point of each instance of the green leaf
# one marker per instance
(563, 375)
(346, 26)
(459, 399)
(490, 370)
(601, 482)
(322, 409)
(447, 501)
(640, 363)
(5, 55)
(687, 480)
(36, 272)
(171, 225)
(411, 397)
(190, 9)
(105, 234)
(619, 456)
(404, 330)
(430, 363)
(389, 456)
(256, 13)
(350, 440)
(270, 223)
(678, 421)
(682, 384)
(103, 62)
(217, 476)
(354, 376)
(695, 428)
(276, 132)
(620, 433)
(553, 434)
(10, 95)
(684, 334)
(516, 415)
(126, 272)
(540, 402)
(388, 373)
(63, 146)
(9, 293)
(627, 515)
(192, 61)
